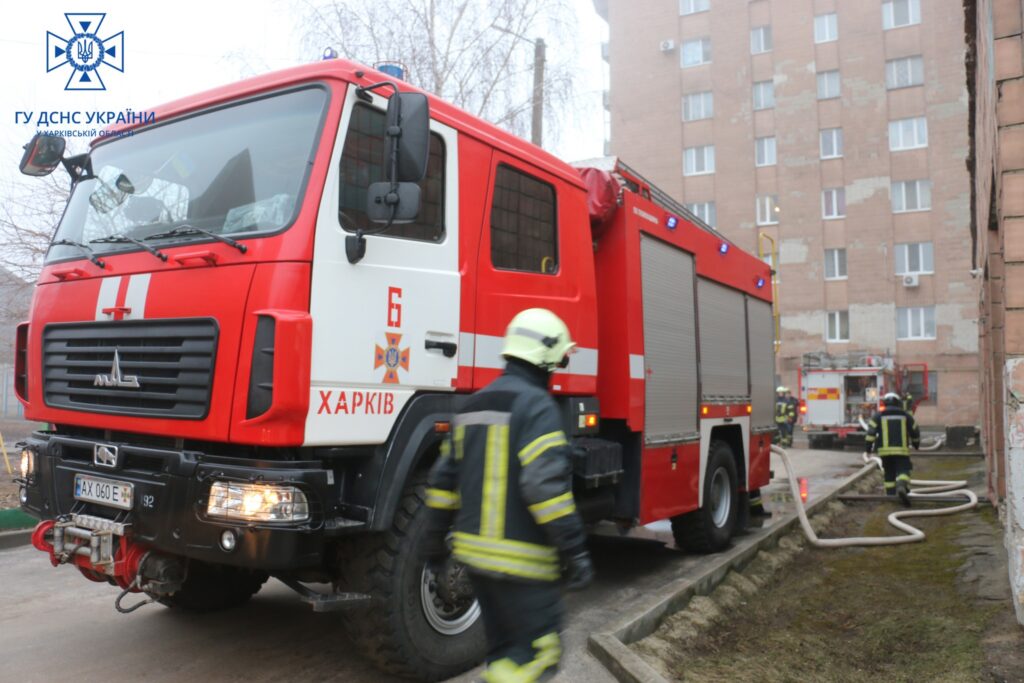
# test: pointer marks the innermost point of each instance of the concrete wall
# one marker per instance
(647, 131)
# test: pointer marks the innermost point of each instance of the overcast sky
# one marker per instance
(175, 49)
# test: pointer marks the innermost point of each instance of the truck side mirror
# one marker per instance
(43, 153)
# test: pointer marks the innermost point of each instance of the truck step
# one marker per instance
(326, 602)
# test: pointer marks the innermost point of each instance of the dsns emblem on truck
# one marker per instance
(115, 378)
(392, 358)
(85, 51)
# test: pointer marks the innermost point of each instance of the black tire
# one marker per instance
(703, 530)
(393, 630)
(212, 587)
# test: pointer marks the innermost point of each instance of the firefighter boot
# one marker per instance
(903, 491)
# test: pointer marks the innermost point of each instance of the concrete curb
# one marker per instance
(14, 539)
(610, 648)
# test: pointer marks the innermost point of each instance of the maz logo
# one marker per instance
(116, 378)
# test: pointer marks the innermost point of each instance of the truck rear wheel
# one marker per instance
(419, 624)
(709, 528)
(212, 587)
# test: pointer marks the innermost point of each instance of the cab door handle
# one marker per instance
(447, 348)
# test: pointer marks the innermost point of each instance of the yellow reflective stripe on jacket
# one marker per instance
(903, 448)
(535, 448)
(553, 508)
(505, 547)
(459, 437)
(440, 499)
(495, 489)
(505, 565)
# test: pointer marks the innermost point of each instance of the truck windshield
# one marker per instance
(236, 171)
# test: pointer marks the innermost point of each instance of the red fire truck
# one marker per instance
(259, 312)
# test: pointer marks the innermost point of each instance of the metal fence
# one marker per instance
(10, 407)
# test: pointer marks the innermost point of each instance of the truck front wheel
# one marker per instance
(422, 622)
(212, 587)
(709, 528)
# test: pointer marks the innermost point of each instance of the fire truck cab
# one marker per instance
(258, 316)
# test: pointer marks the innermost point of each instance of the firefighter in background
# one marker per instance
(908, 403)
(785, 416)
(892, 432)
(504, 477)
(794, 414)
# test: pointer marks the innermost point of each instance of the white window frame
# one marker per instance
(764, 151)
(834, 323)
(826, 28)
(910, 133)
(693, 6)
(898, 195)
(706, 211)
(835, 138)
(829, 84)
(912, 67)
(889, 13)
(836, 257)
(833, 203)
(698, 106)
(687, 47)
(768, 209)
(760, 40)
(766, 90)
(918, 323)
(925, 255)
(706, 155)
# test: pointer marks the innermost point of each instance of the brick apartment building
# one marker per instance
(840, 129)
(996, 86)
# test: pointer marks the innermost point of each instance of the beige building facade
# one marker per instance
(838, 129)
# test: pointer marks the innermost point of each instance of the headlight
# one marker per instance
(28, 463)
(257, 502)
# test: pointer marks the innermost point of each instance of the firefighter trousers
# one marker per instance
(785, 433)
(521, 621)
(896, 468)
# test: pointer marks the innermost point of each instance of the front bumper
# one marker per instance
(171, 489)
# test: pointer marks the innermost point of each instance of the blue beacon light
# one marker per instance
(671, 222)
(723, 248)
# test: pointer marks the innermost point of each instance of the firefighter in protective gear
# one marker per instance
(785, 416)
(503, 484)
(892, 432)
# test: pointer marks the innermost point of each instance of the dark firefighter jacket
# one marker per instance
(785, 410)
(892, 432)
(505, 475)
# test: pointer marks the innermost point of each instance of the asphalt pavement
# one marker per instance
(56, 624)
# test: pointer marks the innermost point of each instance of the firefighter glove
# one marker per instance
(580, 572)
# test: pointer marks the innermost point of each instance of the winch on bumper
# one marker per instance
(266, 515)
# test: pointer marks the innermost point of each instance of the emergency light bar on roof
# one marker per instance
(637, 183)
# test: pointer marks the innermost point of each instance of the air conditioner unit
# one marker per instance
(911, 280)
(667, 45)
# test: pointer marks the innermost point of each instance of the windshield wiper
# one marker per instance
(92, 256)
(190, 230)
(126, 239)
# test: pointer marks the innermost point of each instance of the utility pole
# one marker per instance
(537, 125)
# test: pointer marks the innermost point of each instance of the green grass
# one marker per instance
(15, 519)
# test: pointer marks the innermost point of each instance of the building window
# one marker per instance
(693, 6)
(904, 73)
(695, 52)
(826, 28)
(828, 85)
(760, 40)
(908, 134)
(362, 163)
(897, 13)
(524, 234)
(764, 95)
(837, 326)
(764, 151)
(698, 105)
(915, 322)
(911, 195)
(833, 203)
(831, 143)
(835, 264)
(699, 160)
(704, 211)
(768, 209)
(914, 257)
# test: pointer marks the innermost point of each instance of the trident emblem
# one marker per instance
(84, 50)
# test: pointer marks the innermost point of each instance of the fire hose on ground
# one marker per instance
(928, 489)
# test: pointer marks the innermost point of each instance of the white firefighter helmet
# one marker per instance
(781, 389)
(891, 399)
(540, 338)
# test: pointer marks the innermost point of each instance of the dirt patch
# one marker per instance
(935, 611)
